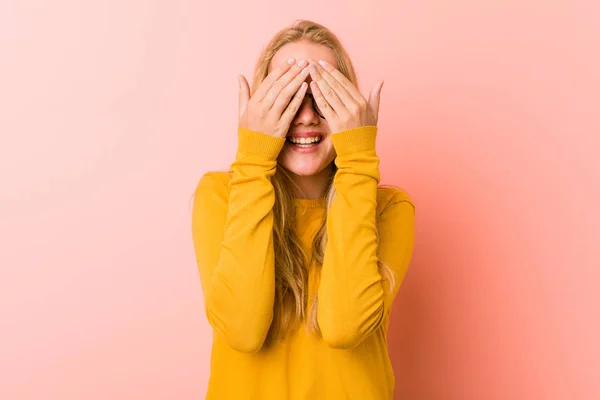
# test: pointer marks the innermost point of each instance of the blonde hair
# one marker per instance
(291, 264)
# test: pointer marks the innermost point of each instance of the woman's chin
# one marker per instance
(306, 165)
(301, 169)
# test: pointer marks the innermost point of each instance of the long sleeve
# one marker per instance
(232, 226)
(352, 301)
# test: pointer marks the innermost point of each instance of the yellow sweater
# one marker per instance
(232, 227)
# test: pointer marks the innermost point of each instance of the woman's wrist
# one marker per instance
(258, 144)
(354, 140)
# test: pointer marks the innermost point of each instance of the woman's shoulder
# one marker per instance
(214, 184)
(389, 194)
(215, 178)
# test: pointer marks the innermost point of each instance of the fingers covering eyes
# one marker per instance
(294, 105)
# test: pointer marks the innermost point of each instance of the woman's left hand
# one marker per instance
(341, 103)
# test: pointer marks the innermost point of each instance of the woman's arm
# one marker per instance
(352, 302)
(232, 229)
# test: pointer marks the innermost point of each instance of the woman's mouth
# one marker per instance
(304, 144)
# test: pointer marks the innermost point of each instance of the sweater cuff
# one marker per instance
(253, 143)
(354, 140)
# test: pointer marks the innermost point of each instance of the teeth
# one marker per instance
(309, 140)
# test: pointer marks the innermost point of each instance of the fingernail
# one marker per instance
(301, 63)
(290, 61)
(322, 62)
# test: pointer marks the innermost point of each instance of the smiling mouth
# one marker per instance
(305, 143)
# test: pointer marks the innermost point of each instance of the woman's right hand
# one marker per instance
(270, 110)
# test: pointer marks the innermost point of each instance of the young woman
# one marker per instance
(300, 250)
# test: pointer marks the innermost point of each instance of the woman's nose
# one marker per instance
(306, 113)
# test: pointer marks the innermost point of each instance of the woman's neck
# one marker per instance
(311, 186)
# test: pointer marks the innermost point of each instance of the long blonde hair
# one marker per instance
(291, 264)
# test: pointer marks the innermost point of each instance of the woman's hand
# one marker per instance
(270, 110)
(341, 103)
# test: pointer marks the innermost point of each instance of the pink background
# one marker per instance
(110, 113)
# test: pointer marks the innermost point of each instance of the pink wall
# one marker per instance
(110, 113)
